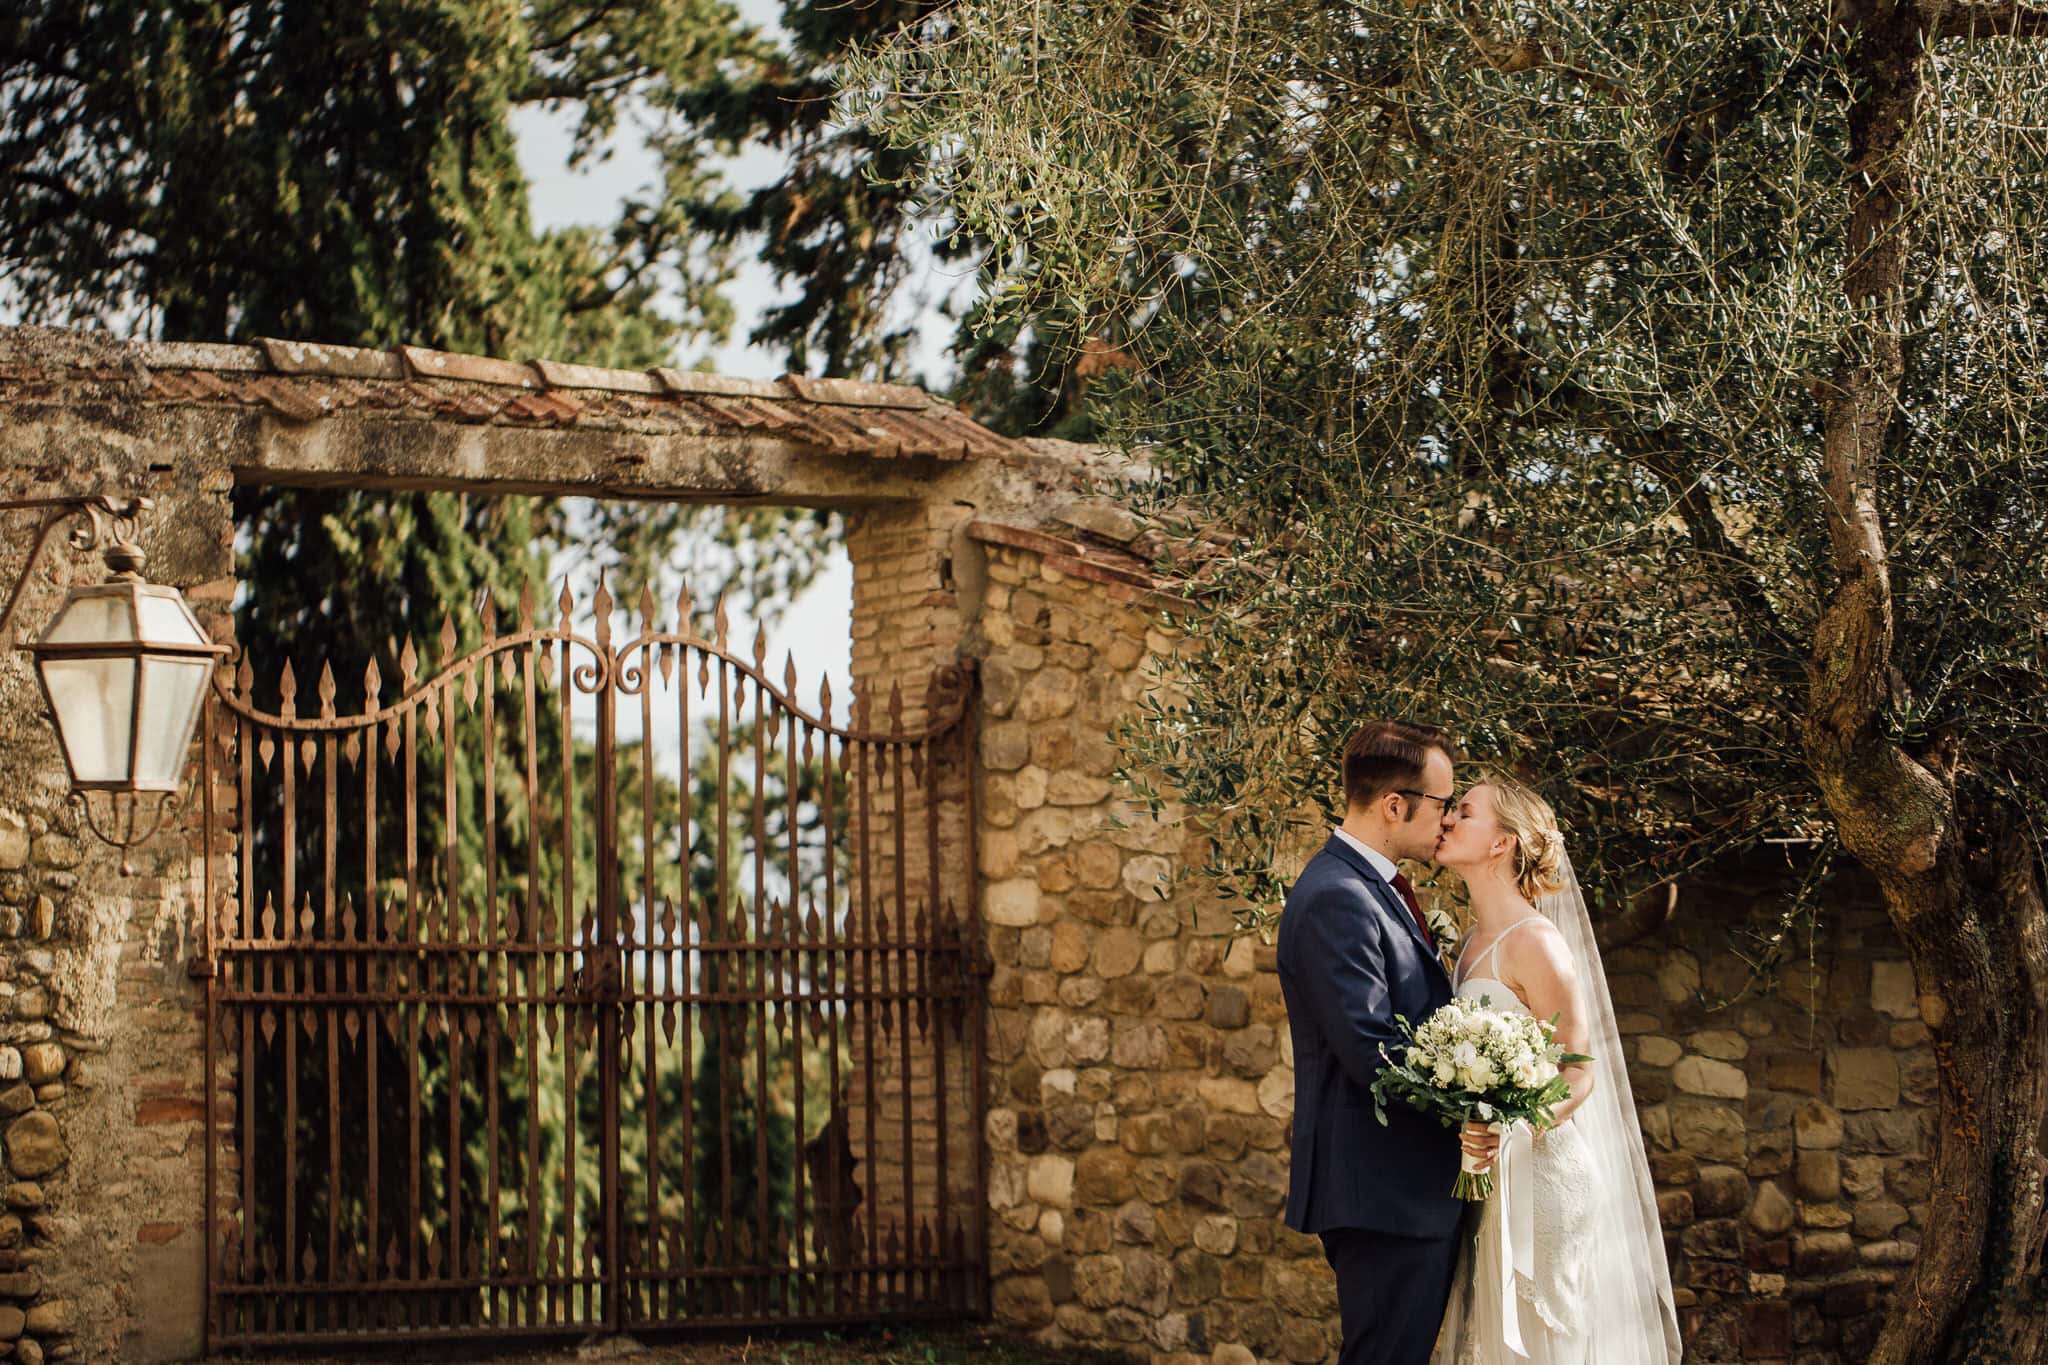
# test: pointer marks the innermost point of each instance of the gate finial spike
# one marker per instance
(526, 605)
(565, 604)
(684, 606)
(373, 684)
(601, 607)
(447, 639)
(408, 665)
(487, 612)
(825, 698)
(719, 622)
(288, 689)
(647, 622)
(789, 673)
(326, 688)
(760, 645)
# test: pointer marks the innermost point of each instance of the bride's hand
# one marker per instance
(1480, 1143)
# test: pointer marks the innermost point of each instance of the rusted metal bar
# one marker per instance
(758, 1014)
(686, 1245)
(900, 820)
(800, 1294)
(604, 958)
(643, 1011)
(288, 851)
(210, 909)
(571, 1016)
(837, 1202)
(932, 928)
(867, 1284)
(493, 920)
(722, 1238)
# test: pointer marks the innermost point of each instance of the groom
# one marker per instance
(1354, 951)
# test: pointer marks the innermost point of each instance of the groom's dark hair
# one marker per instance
(1388, 755)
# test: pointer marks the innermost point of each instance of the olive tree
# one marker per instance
(1653, 392)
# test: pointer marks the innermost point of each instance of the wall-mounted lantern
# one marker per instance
(124, 666)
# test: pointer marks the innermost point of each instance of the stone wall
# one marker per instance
(1788, 1131)
(1140, 1066)
(1140, 1090)
(101, 1054)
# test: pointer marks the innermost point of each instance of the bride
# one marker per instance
(1566, 1264)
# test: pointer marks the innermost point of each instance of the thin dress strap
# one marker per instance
(1464, 976)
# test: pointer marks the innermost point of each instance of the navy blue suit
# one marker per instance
(1351, 957)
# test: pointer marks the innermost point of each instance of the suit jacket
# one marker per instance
(1351, 957)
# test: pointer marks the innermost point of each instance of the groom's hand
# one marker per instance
(1480, 1143)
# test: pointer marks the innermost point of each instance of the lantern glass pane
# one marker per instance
(94, 701)
(164, 620)
(103, 617)
(171, 694)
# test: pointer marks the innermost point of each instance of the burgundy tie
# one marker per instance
(1407, 890)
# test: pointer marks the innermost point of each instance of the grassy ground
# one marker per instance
(909, 1345)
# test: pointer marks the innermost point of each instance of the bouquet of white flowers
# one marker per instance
(1470, 1063)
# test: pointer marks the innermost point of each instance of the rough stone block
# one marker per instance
(1771, 1213)
(1818, 1175)
(1705, 1076)
(1714, 1131)
(1049, 1179)
(14, 841)
(1823, 1253)
(42, 1062)
(1798, 1072)
(1817, 1125)
(1722, 1192)
(1655, 1051)
(1864, 1078)
(1014, 902)
(35, 1144)
(1722, 1045)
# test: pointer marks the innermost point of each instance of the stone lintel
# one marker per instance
(373, 452)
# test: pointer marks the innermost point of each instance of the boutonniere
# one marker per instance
(1443, 936)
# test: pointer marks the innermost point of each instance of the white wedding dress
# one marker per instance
(1553, 1178)
(1565, 1265)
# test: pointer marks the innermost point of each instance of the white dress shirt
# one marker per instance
(1380, 862)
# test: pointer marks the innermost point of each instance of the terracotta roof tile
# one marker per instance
(308, 382)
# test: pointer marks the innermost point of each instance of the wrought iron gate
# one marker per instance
(512, 1033)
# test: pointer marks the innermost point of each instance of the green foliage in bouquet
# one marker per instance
(1470, 1063)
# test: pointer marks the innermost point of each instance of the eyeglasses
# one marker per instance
(1444, 801)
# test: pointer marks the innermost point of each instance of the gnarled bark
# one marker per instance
(1961, 884)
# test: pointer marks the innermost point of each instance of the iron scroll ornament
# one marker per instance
(607, 666)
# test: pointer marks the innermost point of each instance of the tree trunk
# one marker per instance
(1982, 962)
(1961, 882)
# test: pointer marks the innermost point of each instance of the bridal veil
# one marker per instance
(1631, 1316)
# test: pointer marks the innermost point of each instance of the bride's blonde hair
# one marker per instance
(1538, 860)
